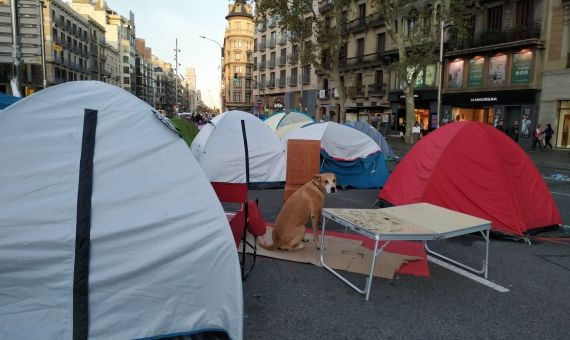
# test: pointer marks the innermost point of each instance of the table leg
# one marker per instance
(369, 281)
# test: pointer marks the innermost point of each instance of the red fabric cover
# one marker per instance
(476, 169)
(230, 192)
(237, 224)
(256, 224)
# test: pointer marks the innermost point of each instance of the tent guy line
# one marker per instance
(468, 275)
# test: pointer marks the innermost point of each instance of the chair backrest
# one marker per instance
(303, 160)
(231, 192)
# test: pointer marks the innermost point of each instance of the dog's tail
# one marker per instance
(265, 246)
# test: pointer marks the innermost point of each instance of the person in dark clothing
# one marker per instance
(548, 135)
(513, 131)
(500, 126)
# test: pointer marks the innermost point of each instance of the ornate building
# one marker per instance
(237, 59)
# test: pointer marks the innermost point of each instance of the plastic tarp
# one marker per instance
(219, 148)
(375, 135)
(478, 170)
(7, 100)
(185, 128)
(339, 141)
(162, 256)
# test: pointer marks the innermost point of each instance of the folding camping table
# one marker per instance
(414, 222)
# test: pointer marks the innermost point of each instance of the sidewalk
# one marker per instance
(556, 159)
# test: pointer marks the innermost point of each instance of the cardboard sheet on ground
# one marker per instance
(351, 253)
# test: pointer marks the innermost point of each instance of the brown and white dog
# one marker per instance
(307, 202)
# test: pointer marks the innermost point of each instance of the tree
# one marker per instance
(414, 27)
(317, 28)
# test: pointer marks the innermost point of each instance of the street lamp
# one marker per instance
(444, 24)
(222, 56)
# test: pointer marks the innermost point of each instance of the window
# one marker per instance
(126, 69)
(237, 56)
(254, 45)
(237, 83)
(294, 73)
(381, 43)
(360, 49)
(237, 43)
(237, 96)
(248, 83)
(378, 78)
(525, 12)
(361, 13)
(125, 59)
(248, 70)
(282, 76)
(126, 80)
(237, 69)
(248, 97)
(495, 18)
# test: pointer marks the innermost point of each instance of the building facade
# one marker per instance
(144, 80)
(555, 97)
(97, 56)
(237, 64)
(281, 82)
(30, 42)
(111, 74)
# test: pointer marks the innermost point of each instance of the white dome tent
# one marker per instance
(282, 123)
(109, 229)
(220, 150)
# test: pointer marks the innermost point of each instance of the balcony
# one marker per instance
(282, 82)
(255, 66)
(262, 65)
(261, 46)
(376, 20)
(272, 63)
(262, 26)
(272, 43)
(356, 91)
(366, 60)
(282, 39)
(293, 58)
(272, 22)
(293, 81)
(358, 25)
(306, 78)
(324, 94)
(282, 61)
(376, 89)
(271, 83)
(494, 37)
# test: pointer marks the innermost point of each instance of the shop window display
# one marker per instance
(563, 124)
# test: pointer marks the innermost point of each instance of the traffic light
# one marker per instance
(235, 77)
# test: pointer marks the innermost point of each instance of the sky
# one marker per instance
(161, 22)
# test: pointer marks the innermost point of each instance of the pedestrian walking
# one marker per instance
(536, 138)
(513, 131)
(548, 136)
(416, 130)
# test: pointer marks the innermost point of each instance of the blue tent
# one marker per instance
(7, 100)
(362, 173)
(376, 136)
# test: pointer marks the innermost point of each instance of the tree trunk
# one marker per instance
(410, 114)
(341, 97)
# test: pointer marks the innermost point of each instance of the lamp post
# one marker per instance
(444, 24)
(221, 71)
(43, 44)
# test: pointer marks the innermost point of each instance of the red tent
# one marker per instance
(478, 170)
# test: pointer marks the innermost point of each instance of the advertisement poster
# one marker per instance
(525, 124)
(455, 75)
(430, 75)
(522, 66)
(498, 70)
(476, 71)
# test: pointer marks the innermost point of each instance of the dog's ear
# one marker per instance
(317, 179)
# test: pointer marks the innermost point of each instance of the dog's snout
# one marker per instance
(333, 189)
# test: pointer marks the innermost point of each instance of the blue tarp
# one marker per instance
(7, 100)
(363, 173)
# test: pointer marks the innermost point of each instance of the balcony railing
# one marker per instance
(272, 22)
(373, 59)
(356, 91)
(376, 20)
(271, 83)
(293, 58)
(272, 43)
(272, 63)
(262, 65)
(293, 81)
(261, 47)
(282, 39)
(282, 60)
(306, 77)
(282, 82)
(357, 25)
(376, 89)
(261, 27)
(494, 37)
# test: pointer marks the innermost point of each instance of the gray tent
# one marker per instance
(376, 136)
(109, 228)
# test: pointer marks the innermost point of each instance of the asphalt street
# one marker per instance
(286, 300)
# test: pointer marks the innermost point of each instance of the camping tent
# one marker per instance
(185, 128)
(354, 157)
(478, 170)
(376, 136)
(282, 123)
(7, 100)
(220, 150)
(108, 226)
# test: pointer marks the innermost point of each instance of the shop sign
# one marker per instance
(497, 69)
(483, 99)
(476, 71)
(403, 96)
(522, 66)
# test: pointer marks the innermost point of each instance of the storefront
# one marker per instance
(493, 106)
(426, 109)
(563, 138)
